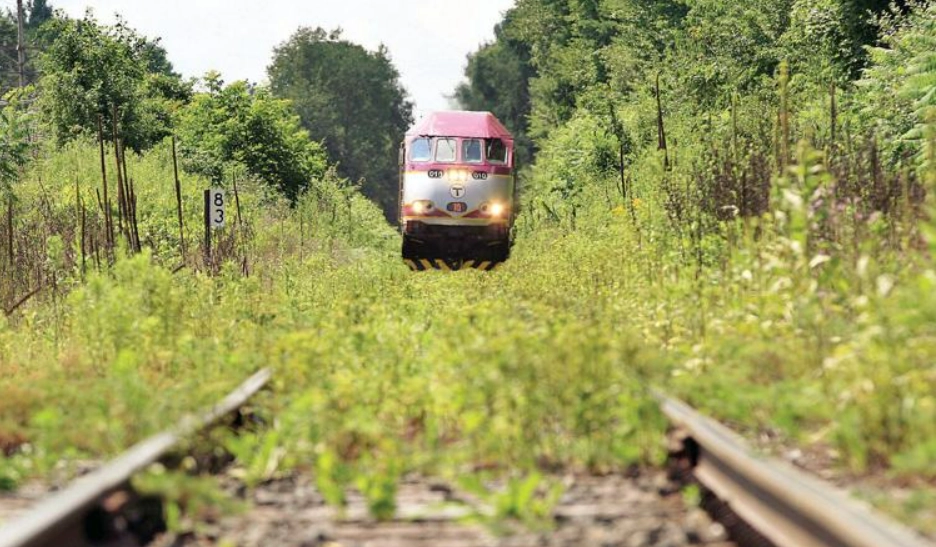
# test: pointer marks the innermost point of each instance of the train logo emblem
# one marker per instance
(457, 191)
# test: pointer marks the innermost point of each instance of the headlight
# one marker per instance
(421, 206)
(497, 209)
(458, 175)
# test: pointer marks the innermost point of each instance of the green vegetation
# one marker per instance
(770, 163)
(93, 74)
(352, 101)
(239, 124)
(497, 76)
(37, 13)
(732, 201)
(379, 372)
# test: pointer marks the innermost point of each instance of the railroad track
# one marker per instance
(779, 505)
(61, 520)
(784, 506)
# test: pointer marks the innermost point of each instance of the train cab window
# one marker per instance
(445, 150)
(420, 150)
(496, 151)
(471, 150)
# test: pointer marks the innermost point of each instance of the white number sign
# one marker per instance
(216, 208)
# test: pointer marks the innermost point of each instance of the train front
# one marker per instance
(457, 195)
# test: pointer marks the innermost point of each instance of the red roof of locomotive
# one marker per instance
(460, 123)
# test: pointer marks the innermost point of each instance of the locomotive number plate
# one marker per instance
(457, 207)
(479, 175)
(436, 173)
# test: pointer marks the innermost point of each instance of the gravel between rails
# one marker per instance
(612, 511)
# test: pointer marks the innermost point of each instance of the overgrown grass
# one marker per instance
(543, 364)
(379, 371)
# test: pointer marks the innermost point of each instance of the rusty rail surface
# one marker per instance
(52, 520)
(786, 506)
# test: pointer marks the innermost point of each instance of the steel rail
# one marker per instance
(785, 505)
(46, 523)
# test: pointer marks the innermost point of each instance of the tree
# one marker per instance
(824, 41)
(352, 101)
(245, 124)
(40, 11)
(9, 76)
(577, 46)
(497, 80)
(89, 70)
(726, 48)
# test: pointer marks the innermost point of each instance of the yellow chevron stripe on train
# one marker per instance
(424, 264)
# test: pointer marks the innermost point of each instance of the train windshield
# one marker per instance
(420, 150)
(445, 150)
(471, 150)
(496, 151)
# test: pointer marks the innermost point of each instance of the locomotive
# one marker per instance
(458, 191)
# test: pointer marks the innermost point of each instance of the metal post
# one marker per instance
(178, 191)
(207, 225)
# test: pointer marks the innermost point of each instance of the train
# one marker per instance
(458, 192)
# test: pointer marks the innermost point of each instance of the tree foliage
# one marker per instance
(897, 94)
(246, 124)
(14, 140)
(351, 100)
(89, 70)
(554, 57)
(40, 11)
(498, 75)
(8, 61)
(37, 13)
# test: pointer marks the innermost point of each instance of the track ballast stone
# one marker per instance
(612, 511)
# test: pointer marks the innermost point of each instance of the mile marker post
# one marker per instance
(215, 204)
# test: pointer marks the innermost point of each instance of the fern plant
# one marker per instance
(14, 137)
(920, 84)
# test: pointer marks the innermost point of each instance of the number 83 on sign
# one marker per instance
(215, 208)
